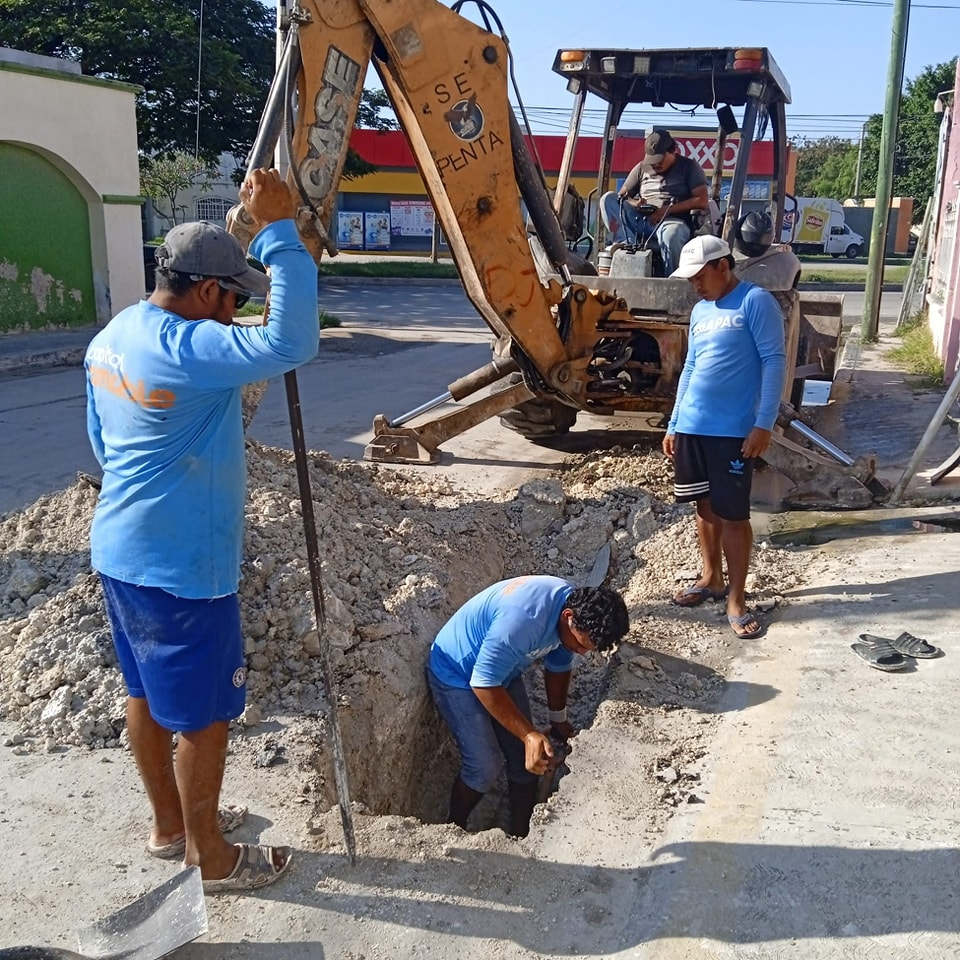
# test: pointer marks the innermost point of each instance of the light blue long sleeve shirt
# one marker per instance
(495, 636)
(736, 362)
(164, 421)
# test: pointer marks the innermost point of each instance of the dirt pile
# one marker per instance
(400, 551)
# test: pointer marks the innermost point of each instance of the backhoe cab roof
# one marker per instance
(706, 77)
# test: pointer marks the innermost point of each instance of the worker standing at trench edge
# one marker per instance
(164, 382)
(475, 672)
(726, 407)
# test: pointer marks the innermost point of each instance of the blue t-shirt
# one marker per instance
(736, 362)
(164, 420)
(496, 635)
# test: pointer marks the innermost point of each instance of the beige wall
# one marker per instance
(87, 129)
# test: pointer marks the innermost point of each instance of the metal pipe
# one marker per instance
(319, 609)
(935, 424)
(268, 133)
(470, 383)
(423, 408)
(821, 442)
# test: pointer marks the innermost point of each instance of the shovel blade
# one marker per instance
(153, 926)
(601, 567)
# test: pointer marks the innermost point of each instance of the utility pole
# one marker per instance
(856, 182)
(870, 321)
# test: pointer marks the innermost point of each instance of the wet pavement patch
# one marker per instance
(813, 529)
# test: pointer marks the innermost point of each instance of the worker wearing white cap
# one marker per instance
(727, 403)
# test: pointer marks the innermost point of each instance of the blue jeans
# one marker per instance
(671, 234)
(483, 743)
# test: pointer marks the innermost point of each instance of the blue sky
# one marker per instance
(834, 53)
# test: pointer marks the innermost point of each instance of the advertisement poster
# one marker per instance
(411, 218)
(350, 231)
(752, 190)
(376, 231)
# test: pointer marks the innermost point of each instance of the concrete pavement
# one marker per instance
(831, 822)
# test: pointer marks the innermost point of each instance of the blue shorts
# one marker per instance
(184, 656)
(483, 743)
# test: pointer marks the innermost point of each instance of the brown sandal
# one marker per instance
(255, 868)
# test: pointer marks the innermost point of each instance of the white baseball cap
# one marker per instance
(697, 253)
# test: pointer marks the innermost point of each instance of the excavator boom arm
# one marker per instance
(446, 78)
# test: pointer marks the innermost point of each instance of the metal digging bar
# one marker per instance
(316, 587)
(259, 156)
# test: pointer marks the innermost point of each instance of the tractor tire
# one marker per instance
(853, 251)
(537, 419)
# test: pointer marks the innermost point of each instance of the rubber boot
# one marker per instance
(523, 796)
(462, 802)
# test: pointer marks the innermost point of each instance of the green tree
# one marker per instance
(826, 167)
(156, 45)
(164, 177)
(915, 160)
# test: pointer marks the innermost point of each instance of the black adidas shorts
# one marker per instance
(713, 467)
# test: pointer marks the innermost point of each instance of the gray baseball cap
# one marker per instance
(658, 143)
(203, 249)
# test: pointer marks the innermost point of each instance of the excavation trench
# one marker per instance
(400, 552)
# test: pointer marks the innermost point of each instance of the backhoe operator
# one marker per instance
(676, 185)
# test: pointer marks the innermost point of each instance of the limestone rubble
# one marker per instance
(400, 551)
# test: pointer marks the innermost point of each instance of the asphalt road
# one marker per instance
(399, 346)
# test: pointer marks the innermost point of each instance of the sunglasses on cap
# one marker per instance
(241, 297)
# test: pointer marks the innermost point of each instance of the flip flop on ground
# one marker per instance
(911, 646)
(256, 867)
(695, 595)
(746, 627)
(231, 816)
(879, 652)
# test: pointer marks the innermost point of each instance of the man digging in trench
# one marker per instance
(475, 672)
(164, 381)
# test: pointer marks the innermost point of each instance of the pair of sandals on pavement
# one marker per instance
(255, 866)
(891, 655)
(746, 627)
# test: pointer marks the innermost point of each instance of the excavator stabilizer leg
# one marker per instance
(419, 444)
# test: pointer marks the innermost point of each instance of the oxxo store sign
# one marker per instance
(704, 150)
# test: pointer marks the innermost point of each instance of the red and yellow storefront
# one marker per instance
(389, 209)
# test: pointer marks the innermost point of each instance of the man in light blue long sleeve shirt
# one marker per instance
(164, 381)
(726, 407)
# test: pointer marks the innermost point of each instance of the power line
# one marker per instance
(852, 3)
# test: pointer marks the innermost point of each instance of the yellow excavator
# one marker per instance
(567, 340)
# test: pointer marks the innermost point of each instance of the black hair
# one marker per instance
(731, 262)
(600, 612)
(173, 282)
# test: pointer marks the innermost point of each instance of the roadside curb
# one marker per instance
(45, 360)
(331, 281)
(453, 281)
(847, 287)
